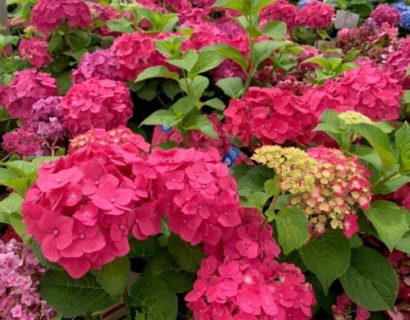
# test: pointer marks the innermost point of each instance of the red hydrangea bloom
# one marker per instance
(316, 15)
(24, 142)
(401, 196)
(240, 279)
(135, 52)
(343, 309)
(281, 10)
(385, 13)
(96, 103)
(82, 207)
(196, 193)
(49, 14)
(101, 64)
(35, 51)
(10, 234)
(27, 87)
(271, 115)
(397, 63)
(308, 52)
(369, 91)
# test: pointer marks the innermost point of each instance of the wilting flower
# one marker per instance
(343, 309)
(20, 275)
(35, 51)
(47, 15)
(95, 103)
(27, 87)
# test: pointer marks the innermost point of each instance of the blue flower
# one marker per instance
(404, 14)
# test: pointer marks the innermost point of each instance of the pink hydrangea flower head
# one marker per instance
(24, 142)
(26, 88)
(401, 196)
(385, 13)
(369, 91)
(47, 118)
(343, 309)
(397, 63)
(20, 274)
(400, 261)
(280, 11)
(270, 115)
(47, 15)
(35, 51)
(315, 14)
(135, 52)
(101, 64)
(82, 207)
(96, 103)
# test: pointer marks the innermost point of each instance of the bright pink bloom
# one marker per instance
(27, 87)
(24, 142)
(315, 14)
(135, 52)
(281, 10)
(95, 103)
(35, 51)
(269, 114)
(47, 15)
(397, 63)
(385, 13)
(368, 91)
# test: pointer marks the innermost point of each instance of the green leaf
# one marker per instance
(113, 277)
(403, 146)
(121, 25)
(188, 257)
(216, 104)
(391, 185)
(264, 49)
(370, 281)
(379, 141)
(170, 46)
(143, 248)
(328, 257)
(16, 220)
(237, 5)
(232, 87)
(199, 85)
(171, 89)
(163, 266)
(20, 185)
(162, 117)
(292, 229)
(183, 106)
(149, 91)
(73, 297)
(230, 53)
(187, 61)
(404, 244)
(276, 30)
(202, 123)
(55, 41)
(157, 72)
(155, 299)
(8, 174)
(207, 60)
(389, 220)
(8, 206)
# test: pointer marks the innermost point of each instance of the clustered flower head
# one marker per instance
(385, 13)
(404, 10)
(281, 10)
(341, 184)
(369, 91)
(315, 14)
(82, 207)
(241, 280)
(294, 167)
(101, 64)
(20, 274)
(27, 87)
(47, 118)
(47, 15)
(345, 309)
(96, 103)
(401, 196)
(270, 115)
(397, 63)
(400, 261)
(134, 53)
(35, 51)
(353, 117)
(24, 142)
